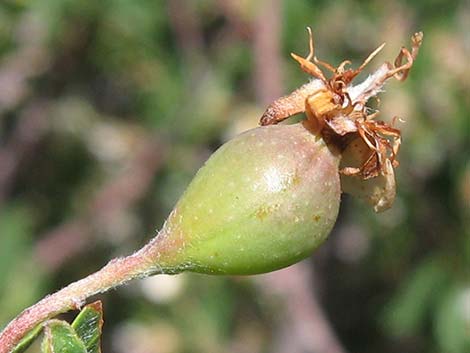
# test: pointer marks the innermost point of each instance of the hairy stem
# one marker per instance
(117, 272)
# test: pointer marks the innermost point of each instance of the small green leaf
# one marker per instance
(88, 325)
(60, 337)
(27, 340)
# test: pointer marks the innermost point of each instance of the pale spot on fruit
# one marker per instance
(274, 180)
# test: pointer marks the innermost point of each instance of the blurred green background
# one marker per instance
(108, 108)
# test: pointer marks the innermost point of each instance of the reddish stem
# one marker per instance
(72, 297)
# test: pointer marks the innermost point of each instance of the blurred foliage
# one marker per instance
(87, 86)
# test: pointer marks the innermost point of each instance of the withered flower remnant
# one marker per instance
(336, 110)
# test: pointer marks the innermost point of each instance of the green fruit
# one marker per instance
(263, 201)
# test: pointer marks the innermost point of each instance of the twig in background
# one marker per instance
(266, 47)
(305, 327)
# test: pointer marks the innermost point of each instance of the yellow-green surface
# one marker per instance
(264, 200)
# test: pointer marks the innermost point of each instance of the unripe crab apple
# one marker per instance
(264, 200)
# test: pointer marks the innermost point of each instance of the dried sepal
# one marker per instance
(337, 111)
(379, 192)
(289, 105)
(383, 142)
(373, 85)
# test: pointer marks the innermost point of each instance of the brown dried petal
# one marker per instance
(342, 125)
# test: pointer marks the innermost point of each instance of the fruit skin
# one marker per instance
(263, 201)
